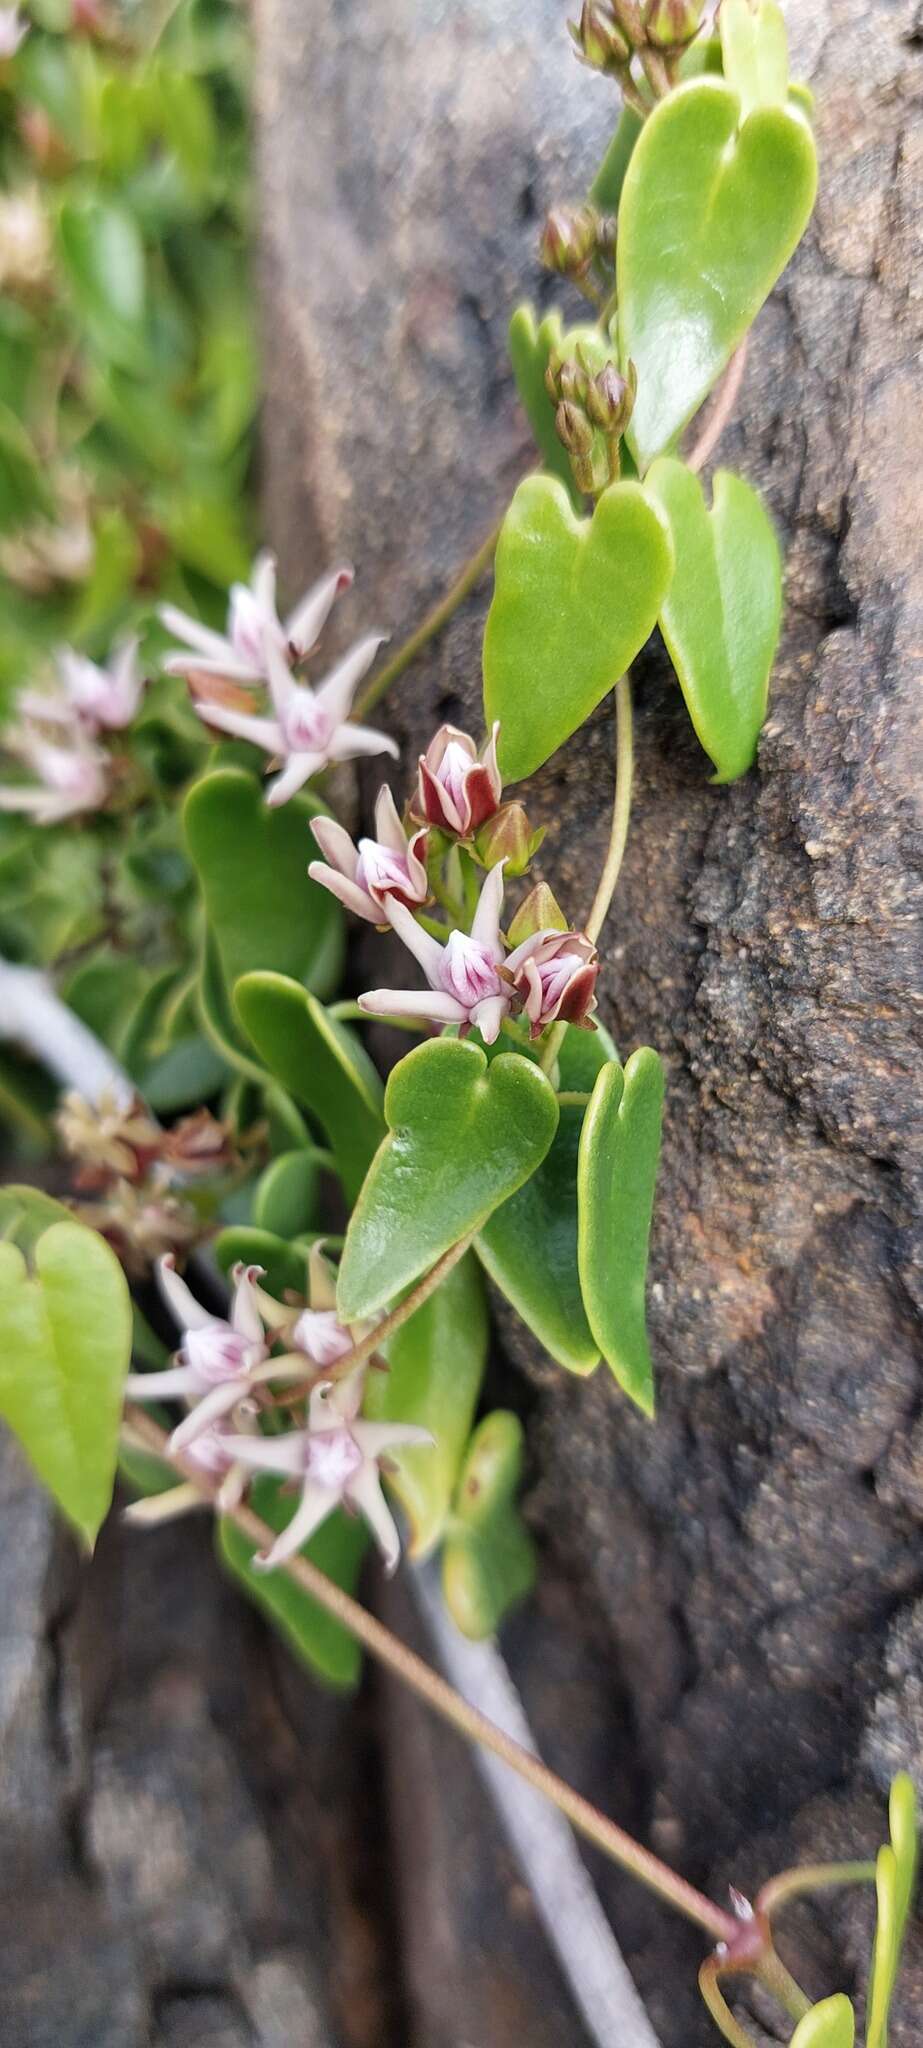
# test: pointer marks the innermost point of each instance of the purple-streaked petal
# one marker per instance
(485, 928)
(317, 1502)
(217, 1402)
(297, 771)
(365, 1493)
(181, 1302)
(421, 944)
(527, 947)
(169, 1385)
(307, 621)
(335, 694)
(349, 893)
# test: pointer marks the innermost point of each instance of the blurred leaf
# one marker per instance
(894, 1880)
(436, 1364)
(488, 1563)
(286, 1193)
(103, 259)
(24, 490)
(116, 561)
(188, 1074)
(321, 1063)
(210, 535)
(188, 124)
(337, 1549)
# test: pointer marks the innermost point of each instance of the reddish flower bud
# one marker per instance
(458, 789)
(568, 241)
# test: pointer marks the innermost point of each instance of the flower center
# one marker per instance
(468, 971)
(455, 765)
(332, 1458)
(305, 724)
(320, 1336)
(381, 871)
(246, 625)
(217, 1353)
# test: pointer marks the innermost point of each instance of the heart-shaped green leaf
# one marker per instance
(463, 1136)
(574, 601)
(286, 1194)
(65, 1344)
(488, 1562)
(436, 1363)
(616, 1176)
(894, 1881)
(529, 1244)
(722, 612)
(337, 1549)
(252, 862)
(530, 347)
(832, 2024)
(754, 46)
(711, 212)
(321, 1063)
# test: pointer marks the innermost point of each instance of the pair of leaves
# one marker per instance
(488, 1562)
(65, 1344)
(832, 2023)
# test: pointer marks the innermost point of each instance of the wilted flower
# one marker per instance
(25, 238)
(458, 789)
(309, 728)
(114, 1134)
(554, 977)
(70, 779)
(253, 624)
(362, 876)
(101, 698)
(216, 1360)
(198, 1143)
(13, 31)
(336, 1460)
(465, 983)
(142, 1221)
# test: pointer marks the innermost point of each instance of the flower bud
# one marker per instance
(573, 429)
(598, 38)
(458, 789)
(668, 24)
(568, 242)
(538, 912)
(509, 837)
(610, 400)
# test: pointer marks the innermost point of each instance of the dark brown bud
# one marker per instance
(610, 400)
(568, 241)
(573, 429)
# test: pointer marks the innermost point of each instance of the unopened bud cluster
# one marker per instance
(593, 407)
(611, 32)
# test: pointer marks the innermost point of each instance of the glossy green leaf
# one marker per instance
(530, 346)
(187, 1074)
(529, 1245)
(103, 258)
(463, 1135)
(436, 1363)
(65, 1345)
(337, 1549)
(574, 601)
(488, 1562)
(321, 1063)
(710, 215)
(606, 189)
(218, 1018)
(722, 612)
(252, 863)
(832, 2024)
(754, 47)
(894, 1882)
(286, 1193)
(616, 1177)
(284, 1264)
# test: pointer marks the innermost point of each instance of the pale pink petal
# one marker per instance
(317, 1502)
(336, 846)
(227, 665)
(263, 582)
(245, 1314)
(346, 1394)
(297, 771)
(375, 1439)
(421, 944)
(366, 1494)
(242, 725)
(281, 680)
(348, 892)
(489, 1015)
(485, 928)
(284, 1454)
(169, 1385)
(413, 1002)
(191, 630)
(217, 1402)
(349, 742)
(335, 694)
(527, 947)
(309, 617)
(181, 1302)
(388, 828)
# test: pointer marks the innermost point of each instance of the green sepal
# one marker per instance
(463, 1135)
(436, 1364)
(337, 1548)
(488, 1563)
(321, 1063)
(574, 602)
(65, 1345)
(616, 1177)
(529, 1245)
(722, 612)
(711, 211)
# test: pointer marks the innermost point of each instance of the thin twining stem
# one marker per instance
(721, 410)
(444, 1700)
(431, 625)
(811, 1877)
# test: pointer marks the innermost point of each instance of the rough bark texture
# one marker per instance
(727, 1646)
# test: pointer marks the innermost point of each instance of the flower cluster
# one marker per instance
(223, 1373)
(57, 736)
(135, 1173)
(475, 980)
